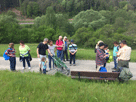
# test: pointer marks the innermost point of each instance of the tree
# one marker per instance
(89, 18)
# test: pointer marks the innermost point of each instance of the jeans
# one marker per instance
(72, 57)
(65, 53)
(44, 71)
(50, 58)
(60, 54)
(12, 63)
(27, 60)
(115, 62)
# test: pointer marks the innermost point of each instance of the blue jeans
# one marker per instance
(72, 57)
(44, 71)
(50, 58)
(115, 62)
(60, 54)
(12, 63)
(27, 60)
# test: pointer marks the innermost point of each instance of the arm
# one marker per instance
(38, 52)
(101, 55)
(49, 52)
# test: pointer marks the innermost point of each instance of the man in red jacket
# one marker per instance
(59, 45)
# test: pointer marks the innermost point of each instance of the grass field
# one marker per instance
(34, 87)
(85, 54)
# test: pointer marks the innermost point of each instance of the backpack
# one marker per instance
(6, 57)
(102, 69)
(125, 74)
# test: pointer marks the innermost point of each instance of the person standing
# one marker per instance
(24, 53)
(65, 48)
(123, 55)
(44, 66)
(11, 53)
(52, 48)
(72, 51)
(41, 51)
(115, 50)
(59, 45)
(100, 56)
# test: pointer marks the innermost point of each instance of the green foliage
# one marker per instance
(33, 9)
(8, 28)
(10, 13)
(89, 18)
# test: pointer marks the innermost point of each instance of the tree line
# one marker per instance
(33, 8)
(86, 29)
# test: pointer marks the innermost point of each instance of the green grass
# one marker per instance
(34, 87)
(85, 54)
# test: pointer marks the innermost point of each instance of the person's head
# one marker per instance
(21, 43)
(45, 41)
(60, 37)
(43, 59)
(50, 42)
(72, 41)
(115, 43)
(11, 45)
(101, 45)
(65, 38)
(123, 43)
(105, 47)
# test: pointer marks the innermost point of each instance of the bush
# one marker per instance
(10, 13)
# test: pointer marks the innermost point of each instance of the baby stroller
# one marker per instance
(59, 64)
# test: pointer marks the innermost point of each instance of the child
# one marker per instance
(106, 51)
(115, 50)
(52, 49)
(72, 50)
(11, 53)
(44, 65)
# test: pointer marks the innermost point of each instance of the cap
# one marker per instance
(101, 44)
(72, 40)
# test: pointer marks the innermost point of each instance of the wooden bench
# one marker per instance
(94, 75)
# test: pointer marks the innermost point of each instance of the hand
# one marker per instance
(51, 54)
(108, 50)
(72, 53)
(38, 56)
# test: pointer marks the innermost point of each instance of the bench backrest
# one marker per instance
(95, 74)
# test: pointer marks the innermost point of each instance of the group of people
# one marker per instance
(62, 45)
(121, 55)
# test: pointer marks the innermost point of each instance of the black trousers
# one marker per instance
(12, 63)
(72, 57)
(65, 53)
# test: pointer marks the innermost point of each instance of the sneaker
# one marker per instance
(23, 68)
(29, 68)
(74, 64)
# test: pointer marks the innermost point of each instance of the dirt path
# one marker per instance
(82, 65)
